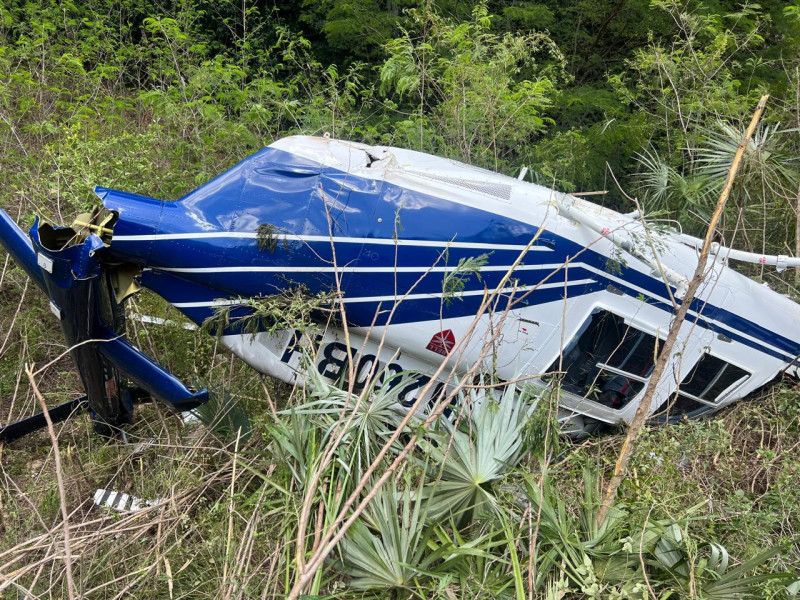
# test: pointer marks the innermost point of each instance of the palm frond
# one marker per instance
(376, 413)
(294, 441)
(767, 156)
(225, 417)
(655, 177)
(388, 546)
(469, 458)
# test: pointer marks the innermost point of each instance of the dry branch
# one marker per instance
(62, 495)
(643, 411)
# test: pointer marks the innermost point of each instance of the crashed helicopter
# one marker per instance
(428, 261)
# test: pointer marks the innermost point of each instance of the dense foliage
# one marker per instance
(160, 96)
(642, 99)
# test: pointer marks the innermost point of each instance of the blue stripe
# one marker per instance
(295, 195)
(195, 253)
(363, 313)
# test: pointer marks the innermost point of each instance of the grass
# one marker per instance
(228, 524)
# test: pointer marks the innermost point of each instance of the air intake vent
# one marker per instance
(496, 190)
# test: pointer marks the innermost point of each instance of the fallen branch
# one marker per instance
(643, 411)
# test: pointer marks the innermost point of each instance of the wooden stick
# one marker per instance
(643, 411)
(597, 193)
(59, 479)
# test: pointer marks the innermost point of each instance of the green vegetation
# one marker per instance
(157, 98)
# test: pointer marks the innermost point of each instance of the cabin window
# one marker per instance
(705, 385)
(608, 361)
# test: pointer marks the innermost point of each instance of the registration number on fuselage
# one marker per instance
(372, 365)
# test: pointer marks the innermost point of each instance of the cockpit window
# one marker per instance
(706, 385)
(608, 361)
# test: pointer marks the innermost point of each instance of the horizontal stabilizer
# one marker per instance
(149, 375)
(17, 243)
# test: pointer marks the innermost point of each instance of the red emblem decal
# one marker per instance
(442, 342)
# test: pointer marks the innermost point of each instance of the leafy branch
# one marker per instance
(455, 281)
(294, 308)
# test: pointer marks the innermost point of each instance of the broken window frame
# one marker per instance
(666, 411)
(724, 393)
(632, 329)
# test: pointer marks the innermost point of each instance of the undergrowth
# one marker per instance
(479, 509)
(159, 100)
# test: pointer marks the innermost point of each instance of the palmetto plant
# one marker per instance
(767, 182)
(467, 458)
(387, 548)
(370, 416)
(295, 442)
(440, 524)
(622, 560)
(702, 569)
(573, 548)
(225, 417)
(666, 188)
(394, 546)
(767, 160)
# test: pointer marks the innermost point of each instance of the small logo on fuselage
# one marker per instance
(442, 342)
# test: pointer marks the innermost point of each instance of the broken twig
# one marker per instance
(60, 480)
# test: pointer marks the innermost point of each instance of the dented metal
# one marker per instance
(386, 232)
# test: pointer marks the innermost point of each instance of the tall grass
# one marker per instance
(476, 510)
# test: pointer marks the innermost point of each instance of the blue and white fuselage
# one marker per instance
(428, 262)
(385, 229)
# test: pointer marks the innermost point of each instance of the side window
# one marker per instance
(608, 361)
(704, 386)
